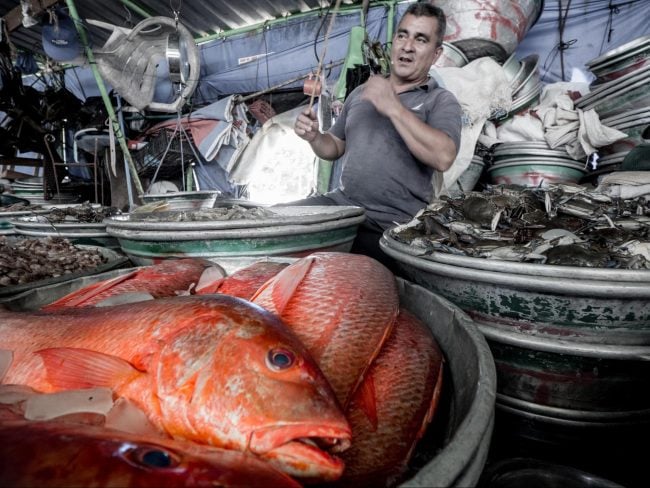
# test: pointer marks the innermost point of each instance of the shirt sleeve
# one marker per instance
(446, 115)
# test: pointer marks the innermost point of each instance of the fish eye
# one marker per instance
(280, 359)
(152, 457)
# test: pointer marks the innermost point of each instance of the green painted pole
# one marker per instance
(107, 101)
(136, 8)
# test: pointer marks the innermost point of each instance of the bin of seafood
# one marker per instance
(433, 415)
(234, 231)
(558, 281)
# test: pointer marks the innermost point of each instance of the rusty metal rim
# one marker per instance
(564, 346)
(186, 234)
(569, 287)
(312, 215)
(565, 414)
(575, 273)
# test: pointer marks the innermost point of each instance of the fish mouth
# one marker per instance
(304, 451)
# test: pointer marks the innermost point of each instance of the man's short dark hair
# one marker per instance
(425, 9)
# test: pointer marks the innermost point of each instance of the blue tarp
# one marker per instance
(254, 61)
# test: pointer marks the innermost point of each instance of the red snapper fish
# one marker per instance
(166, 279)
(245, 282)
(212, 369)
(341, 306)
(396, 402)
(54, 454)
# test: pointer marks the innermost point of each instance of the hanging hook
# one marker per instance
(128, 21)
(176, 11)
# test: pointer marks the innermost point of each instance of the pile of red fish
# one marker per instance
(176, 374)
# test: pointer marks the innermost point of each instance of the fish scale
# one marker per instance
(394, 405)
(165, 279)
(167, 356)
(341, 306)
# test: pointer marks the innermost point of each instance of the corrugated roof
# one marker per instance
(202, 18)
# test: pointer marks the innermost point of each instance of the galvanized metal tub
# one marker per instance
(489, 28)
(87, 233)
(453, 455)
(571, 345)
(535, 171)
(293, 231)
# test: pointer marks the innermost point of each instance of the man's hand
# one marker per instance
(306, 126)
(378, 91)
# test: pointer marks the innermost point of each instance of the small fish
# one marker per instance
(342, 306)
(396, 402)
(166, 279)
(212, 369)
(54, 454)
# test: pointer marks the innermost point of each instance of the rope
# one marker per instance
(322, 57)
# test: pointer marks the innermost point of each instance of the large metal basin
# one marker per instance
(291, 231)
(569, 349)
(87, 233)
(454, 450)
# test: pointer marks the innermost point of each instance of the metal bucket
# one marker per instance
(570, 345)
(489, 28)
(450, 454)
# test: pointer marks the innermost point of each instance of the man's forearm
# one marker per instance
(430, 146)
(327, 146)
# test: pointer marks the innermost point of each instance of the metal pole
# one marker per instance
(102, 90)
(126, 163)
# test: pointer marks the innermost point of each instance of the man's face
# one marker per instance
(414, 48)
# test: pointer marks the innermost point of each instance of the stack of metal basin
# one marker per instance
(633, 123)
(289, 231)
(489, 28)
(454, 449)
(533, 163)
(629, 92)
(32, 190)
(620, 61)
(571, 346)
(525, 83)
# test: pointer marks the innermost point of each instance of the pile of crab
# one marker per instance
(559, 224)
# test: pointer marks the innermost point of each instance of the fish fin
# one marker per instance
(285, 283)
(76, 298)
(366, 400)
(210, 280)
(6, 358)
(71, 368)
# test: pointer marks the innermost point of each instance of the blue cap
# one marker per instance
(60, 39)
